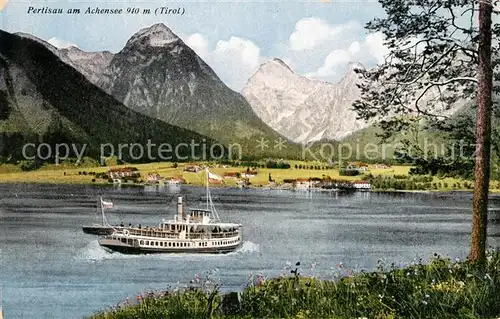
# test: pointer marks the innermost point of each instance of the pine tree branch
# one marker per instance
(438, 84)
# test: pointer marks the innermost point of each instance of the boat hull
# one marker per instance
(137, 250)
(98, 230)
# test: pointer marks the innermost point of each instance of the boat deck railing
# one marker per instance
(175, 235)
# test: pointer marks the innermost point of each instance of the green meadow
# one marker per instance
(68, 173)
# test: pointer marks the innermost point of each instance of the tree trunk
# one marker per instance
(483, 136)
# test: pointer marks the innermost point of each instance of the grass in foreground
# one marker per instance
(440, 289)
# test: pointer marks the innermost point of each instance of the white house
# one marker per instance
(362, 184)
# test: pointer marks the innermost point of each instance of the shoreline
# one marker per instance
(493, 192)
(261, 180)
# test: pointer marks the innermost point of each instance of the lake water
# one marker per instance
(50, 269)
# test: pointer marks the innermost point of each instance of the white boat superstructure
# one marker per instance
(192, 230)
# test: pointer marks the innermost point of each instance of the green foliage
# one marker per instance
(412, 182)
(401, 176)
(440, 289)
(279, 164)
(30, 165)
(434, 73)
(349, 172)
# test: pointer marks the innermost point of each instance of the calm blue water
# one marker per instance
(50, 269)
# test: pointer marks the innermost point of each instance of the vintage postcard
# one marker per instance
(249, 159)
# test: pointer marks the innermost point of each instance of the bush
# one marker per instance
(349, 172)
(279, 165)
(400, 176)
(30, 165)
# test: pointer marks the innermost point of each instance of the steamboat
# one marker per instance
(190, 231)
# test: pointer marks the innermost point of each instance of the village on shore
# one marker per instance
(242, 178)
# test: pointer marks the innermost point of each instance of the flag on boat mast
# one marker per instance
(106, 204)
(213, 178)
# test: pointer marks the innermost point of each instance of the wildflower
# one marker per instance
(197, 278)
(260, 279)
(489, 258)
(408, 274)
(426, 296)
(424, 302)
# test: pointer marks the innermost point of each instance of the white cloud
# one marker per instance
(234, 60)
(322, 50)
(315, 48)
(376, 47)
(335, 60)
(354, 48)
(61, 44)
(198, 43)
(311, 32)
(366, 51)
(244, 51)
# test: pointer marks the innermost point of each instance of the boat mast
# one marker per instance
(206, 180)
(104, 221)
(210, 204)
(1, 302)
(102, 211)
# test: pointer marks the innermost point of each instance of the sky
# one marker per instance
(316, 39)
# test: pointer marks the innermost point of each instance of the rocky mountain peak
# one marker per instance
(73, 49)
(157, 35)
(353, 66)
(275, 66)
(302, 109)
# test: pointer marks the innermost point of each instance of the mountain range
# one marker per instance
(43, 99)
(302, 109)
(157, 86)
(158, 75)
